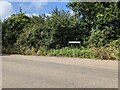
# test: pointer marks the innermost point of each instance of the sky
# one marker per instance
(31, 8)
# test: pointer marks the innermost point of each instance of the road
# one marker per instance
(57, 72)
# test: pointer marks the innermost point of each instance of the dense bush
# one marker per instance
(114, 44)
(12, 27)
(95, 24)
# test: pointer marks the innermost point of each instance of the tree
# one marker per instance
(64, 28)
(98, 18)
(35, 34)
(12, 27)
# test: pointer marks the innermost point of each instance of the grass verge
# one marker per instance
(91, 53)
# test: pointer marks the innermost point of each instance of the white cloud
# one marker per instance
(38, 5)
(37, 14)
(29, 15)
(71, 12)
(32, 5)
(33, 14)
(6, 9)
(48, 14)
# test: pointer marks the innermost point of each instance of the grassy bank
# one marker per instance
(91, 53)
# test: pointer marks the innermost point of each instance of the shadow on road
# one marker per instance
(3, 54)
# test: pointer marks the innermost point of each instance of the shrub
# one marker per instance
(105, 53)
(42, 51)
(12, 27)
(72, 52)
(115, 44)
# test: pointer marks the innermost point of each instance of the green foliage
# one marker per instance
(97, 39)
(64, 28)
(72, 52)
(0, 21)
(100, 20)
(12, 27)
(114, 44)
(95, 24)
(42, 51)
(99, 53)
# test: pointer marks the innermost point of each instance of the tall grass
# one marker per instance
(72, 52)
(106, 53)
(98, 53)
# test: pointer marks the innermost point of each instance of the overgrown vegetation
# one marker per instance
(95, 24)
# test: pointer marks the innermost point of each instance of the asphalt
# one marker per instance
(20, 71)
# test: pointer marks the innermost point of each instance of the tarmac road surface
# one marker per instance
(57, 72)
